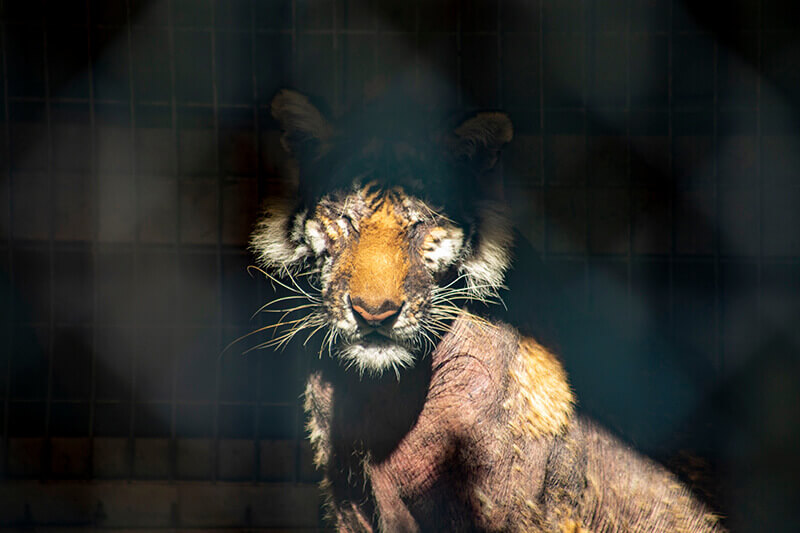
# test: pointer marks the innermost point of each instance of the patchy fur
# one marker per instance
(428, 416)
(543, 401)
(472, 440)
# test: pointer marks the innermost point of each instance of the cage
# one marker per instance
(653, 171)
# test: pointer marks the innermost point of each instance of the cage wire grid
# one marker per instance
(138, 139)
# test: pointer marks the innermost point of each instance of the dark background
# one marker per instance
(654, 170)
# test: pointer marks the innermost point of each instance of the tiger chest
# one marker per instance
(394, 451)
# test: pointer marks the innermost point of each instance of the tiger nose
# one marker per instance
(375, 316)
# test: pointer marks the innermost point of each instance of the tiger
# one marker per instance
(424, 412)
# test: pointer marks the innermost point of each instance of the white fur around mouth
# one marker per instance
(375, 354)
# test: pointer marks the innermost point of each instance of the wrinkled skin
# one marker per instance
(445, 449)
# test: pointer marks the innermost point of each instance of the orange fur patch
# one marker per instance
(331, 229)
(543, 402)
(379, 261)
(571, 526)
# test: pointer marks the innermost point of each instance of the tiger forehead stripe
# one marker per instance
(371, 196)
(386, 215)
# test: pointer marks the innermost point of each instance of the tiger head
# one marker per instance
(391, 229)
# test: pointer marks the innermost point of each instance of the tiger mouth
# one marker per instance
(375, 353)
(379, 339)
(375, 336)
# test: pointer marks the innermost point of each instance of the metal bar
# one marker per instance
(293, 33)
(10, 303)
(542, 152)
(336, 32)
(588, 46)
(322, 31)
(51, 254)
(173, 446)
(759, 173)
(232, 403)
(628, 172)
(294, 69)
(257, 146)
(717, 355)
(375, 34)
(93, 174)
(132, 154)
(157, 506)
(671, 164)
(680, 108)
(417, 53)
(220, 206)
(459, 61)
(499, 37)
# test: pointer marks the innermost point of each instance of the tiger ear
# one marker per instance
(480, 138)
(307, 134)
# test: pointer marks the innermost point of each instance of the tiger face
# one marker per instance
(387, 264)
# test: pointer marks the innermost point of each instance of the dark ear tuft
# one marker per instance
(306, 131)
(481, 138)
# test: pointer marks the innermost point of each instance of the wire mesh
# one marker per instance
(652, 167)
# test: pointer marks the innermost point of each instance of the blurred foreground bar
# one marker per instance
(142, 505)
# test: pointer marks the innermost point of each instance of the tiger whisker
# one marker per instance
(283, 316)
(477, 290)
(273, 279)
(331, 342)
(453, 300)
(259, 330)
(281, 341)
(452, 312)
(297, 325)
(453, 282)
(292, 297)
(466, 290)
(291, 309)
(322, 324)
(294, 282)
(286, 311)
(324, 340)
